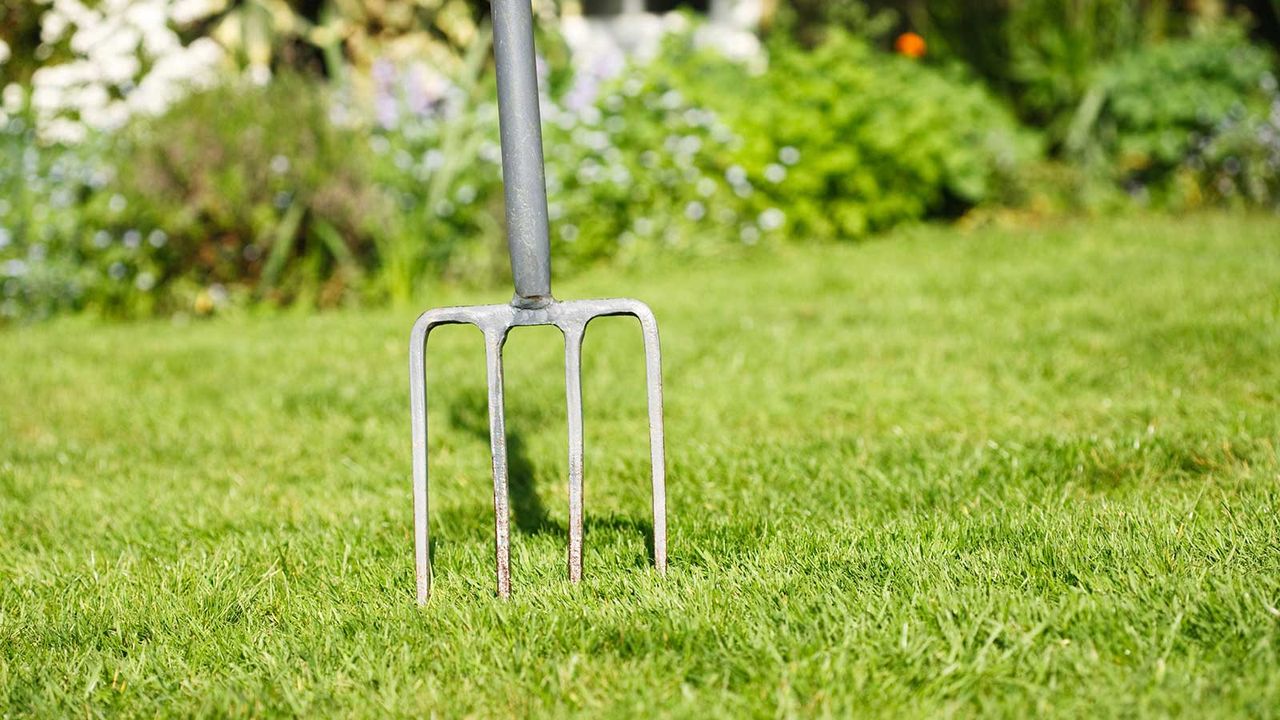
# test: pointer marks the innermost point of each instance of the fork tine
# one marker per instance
(573, 397)
(498, 441)
(418, 415)
(657, 444)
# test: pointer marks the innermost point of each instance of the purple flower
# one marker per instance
(601, 66)
(387, 110)
(384, 72)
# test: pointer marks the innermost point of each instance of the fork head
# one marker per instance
(495, 322)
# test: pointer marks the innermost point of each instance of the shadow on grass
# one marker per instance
(471, 414)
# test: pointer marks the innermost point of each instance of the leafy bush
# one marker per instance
(239, 191)
(1044, 54)
(42, 192)
(849, 141)
(283, 193)
(255, 189)
(434, 152)
(644, 169)
(632, 167)
(810, 22)
(1187, 121)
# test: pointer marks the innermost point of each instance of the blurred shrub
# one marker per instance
(283, 193)
(433, 149)
(42, 192)
(642, 169)
(237, 191)
(253, 189)
(846, 140)
(809, 22)
(1186, 121)
(1044, 54)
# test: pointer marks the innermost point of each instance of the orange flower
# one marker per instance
(910, 44)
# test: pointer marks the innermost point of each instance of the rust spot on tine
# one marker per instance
(573, 396)
(495, 338)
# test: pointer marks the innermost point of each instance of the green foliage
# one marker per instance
(1044, 53)
(20, 32)
(1187, 120)
(645, 170)
(810, 22)
(434, 152)
(864, 140)
(256, 190)
(284, 193)
(236, 192)
(43, 229)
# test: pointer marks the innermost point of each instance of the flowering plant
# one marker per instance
(109, 60)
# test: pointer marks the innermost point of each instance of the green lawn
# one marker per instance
(995, 472)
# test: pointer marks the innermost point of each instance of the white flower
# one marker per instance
(188, 11)
(13, 98)
(772, 219)
(89, 97)
(75, 11)
(259, 74)
(147, 14)
(5, 52)
(789, 155)
(46, 99)
(88, 35)
(117, 45)
(150, 97)
(775, 173)
(118, 69)
(124, 41)
(689, 145)
(56, 76)
(110, 117)
(160, 41)
(52, 27)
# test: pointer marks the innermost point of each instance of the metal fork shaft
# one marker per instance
(523, 181)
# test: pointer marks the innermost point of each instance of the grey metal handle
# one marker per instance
(524, 185)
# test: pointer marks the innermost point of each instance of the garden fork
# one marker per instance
(529, 245)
